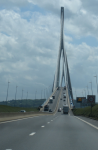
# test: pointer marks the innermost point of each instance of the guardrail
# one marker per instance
(68, 97)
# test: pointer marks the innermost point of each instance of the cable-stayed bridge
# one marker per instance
(50, 131)
(65, 75)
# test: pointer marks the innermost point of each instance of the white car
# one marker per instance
(23, 111)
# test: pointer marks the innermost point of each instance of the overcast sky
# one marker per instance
(29, 44)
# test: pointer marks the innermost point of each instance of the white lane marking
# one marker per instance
(8, 149)
(42, 126)
(32, 133)
(51, 120)
(48, 122)
(87, 123)
(69, 114)
(18, 119)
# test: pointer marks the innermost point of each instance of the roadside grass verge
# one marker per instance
(87, 112)
(4, 108)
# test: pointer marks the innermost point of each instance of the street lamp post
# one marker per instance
(7, 92)
(85, 92)
(96, 83)
(76, 93)
(82, 93)
(47, 93)
(26, 97)
(91, 87)
(87, 89)
(41, 94)
(44, 93)
(22, 97)
(15, 94)
(35, 94)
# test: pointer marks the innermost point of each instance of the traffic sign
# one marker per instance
(80, 99)
(91, 98)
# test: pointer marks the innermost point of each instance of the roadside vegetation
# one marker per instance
(4, 108)
(87, 112)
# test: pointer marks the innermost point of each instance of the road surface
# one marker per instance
(50, 132)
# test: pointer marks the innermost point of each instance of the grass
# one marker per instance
(4, 108)
(87, 112)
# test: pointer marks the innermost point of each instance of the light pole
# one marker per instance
(85, 92)
(76, 93)
(22, 97)
(82, 94)
(35, 94)
(91, 87)
(26, 97)
(15, 94)
(96, 83)
(47, 93)
(41, 94)
(7, 92)
(87, 89)
(44, 93)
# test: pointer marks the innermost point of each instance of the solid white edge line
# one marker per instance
(87, 123)
(32, 133)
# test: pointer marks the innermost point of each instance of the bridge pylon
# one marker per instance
(65, 70)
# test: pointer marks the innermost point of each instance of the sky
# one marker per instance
(29, 44)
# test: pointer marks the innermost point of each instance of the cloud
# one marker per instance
(29, 44)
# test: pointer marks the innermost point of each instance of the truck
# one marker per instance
(46, 108)
(51, 100)
(65, 109)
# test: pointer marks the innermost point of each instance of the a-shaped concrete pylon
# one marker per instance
(65, 69)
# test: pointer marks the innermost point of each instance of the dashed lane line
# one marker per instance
(42, 126)
(48, 122)
(32, 133)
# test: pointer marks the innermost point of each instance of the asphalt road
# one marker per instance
(50, 132)
(52, 106)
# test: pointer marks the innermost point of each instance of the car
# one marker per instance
(59, 110)
(61, 98)
(64, 97)
(23, 111)
(64, 100)
(50, 110)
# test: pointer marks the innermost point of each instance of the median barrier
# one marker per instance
(18, 115)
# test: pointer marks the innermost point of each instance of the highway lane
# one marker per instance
(55, 132)
(53, 105)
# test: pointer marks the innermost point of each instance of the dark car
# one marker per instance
(64, 100)
(50, 110)
(61, 98)
(64, 97)
(53, 97)
(59, 110)
(57, 88)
